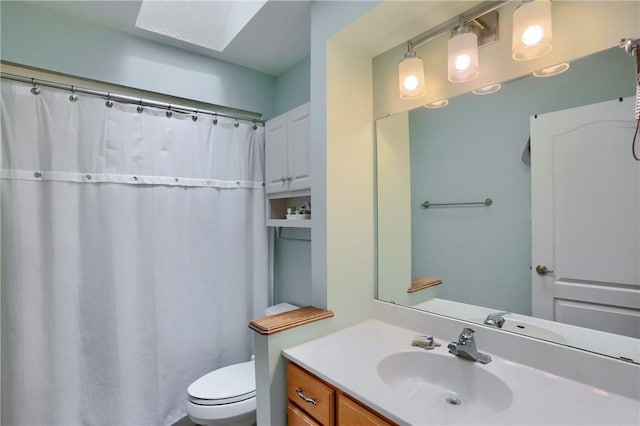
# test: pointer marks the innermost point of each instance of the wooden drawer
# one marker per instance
(351, 413)
(297, 417)
(301, 384)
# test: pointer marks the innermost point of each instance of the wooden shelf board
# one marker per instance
(421, 283)
(286, 320)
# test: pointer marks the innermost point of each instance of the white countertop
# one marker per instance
(349, 359)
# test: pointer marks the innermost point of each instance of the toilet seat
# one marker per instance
(226, 385)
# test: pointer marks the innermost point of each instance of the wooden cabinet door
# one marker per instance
(313, 396)
(351, 413)
(297, 417)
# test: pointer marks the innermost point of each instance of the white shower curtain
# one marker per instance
(134, 254)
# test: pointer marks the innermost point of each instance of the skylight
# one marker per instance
(209, 24)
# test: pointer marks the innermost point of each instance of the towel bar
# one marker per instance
(486, 202)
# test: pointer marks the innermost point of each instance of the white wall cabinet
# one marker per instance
(287, 168)
(287, 151)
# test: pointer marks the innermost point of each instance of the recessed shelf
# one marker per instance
(289, 223)
(277, 209)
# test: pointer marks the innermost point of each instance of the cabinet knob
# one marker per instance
(289, 178)
(282, 179)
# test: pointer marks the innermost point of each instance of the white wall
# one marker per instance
(393, 208)
(350, 184)
(393, 178)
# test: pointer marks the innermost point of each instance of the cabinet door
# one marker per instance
(297, 417)
(276, 155)
(313, 396)
(299, 137)
(350, 413)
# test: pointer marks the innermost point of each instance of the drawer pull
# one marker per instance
(305, 398)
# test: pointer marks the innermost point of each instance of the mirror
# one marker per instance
(474, 149)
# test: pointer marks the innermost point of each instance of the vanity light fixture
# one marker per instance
(531, 30)
(437, 104)
(487, 90)
(475, 27)
(411, 75)
(552, 70)
(463, 55)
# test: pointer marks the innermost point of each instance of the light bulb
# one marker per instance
(411, 76)
(462, 62)
(532, 35)
(462, 51)
(411, 82)
(532, 30)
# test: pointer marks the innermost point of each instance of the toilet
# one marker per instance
(227, 396)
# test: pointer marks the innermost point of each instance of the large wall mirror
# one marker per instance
(478, 148)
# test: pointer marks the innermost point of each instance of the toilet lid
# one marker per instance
(225, 385)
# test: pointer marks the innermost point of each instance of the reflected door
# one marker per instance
(586, 218)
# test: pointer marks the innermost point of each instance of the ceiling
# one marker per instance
(276, 38)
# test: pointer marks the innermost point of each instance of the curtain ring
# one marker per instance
(215, 118)
(236, 124)
(109, 102)
(194, 117)
(73, 97)
(140, 108)
(255, 126)
(34, 89)
(169, 113)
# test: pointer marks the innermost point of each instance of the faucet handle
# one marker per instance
(496, 319)
(466, 335)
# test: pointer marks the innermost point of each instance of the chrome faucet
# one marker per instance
(496, 319)
(465, 347)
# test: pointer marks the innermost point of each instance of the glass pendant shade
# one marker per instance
(531, 30)
(463, 57)
(411, 77)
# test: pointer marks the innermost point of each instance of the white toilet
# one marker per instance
(227, 396)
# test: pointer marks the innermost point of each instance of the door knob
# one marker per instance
(542, 269)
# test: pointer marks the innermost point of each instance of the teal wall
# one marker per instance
(38, 37)
(293, 86)
(471, 150)
(292, 267)
(292, 252)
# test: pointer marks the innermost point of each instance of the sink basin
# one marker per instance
(429, 377)
(528, 329)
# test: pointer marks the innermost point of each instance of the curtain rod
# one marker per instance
(124, 98)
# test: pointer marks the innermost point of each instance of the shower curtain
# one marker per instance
(134, 254)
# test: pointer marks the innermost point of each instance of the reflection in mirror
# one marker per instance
(477, 148)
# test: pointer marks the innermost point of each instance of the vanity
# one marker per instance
(313, 401)
(371, 373)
